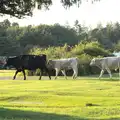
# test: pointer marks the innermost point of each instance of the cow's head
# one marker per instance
(92, 63)
(50, 64)
(9, 62)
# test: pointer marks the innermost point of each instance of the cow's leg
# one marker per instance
(109, 72)
(101, 73)
(24, 74)
(119, 72)
(15, 74)
(75, 73)
(41, 73)
(57, 71)
(63, 72)
(46, 69)
(119, 69)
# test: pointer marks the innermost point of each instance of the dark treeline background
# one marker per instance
(61, 41)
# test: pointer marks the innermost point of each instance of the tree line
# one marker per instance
(15, 40)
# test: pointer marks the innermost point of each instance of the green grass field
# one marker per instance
(82, 99)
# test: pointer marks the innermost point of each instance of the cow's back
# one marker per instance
(66, 63)
(33, 62)
(61, 63)
(108, 62)
(112, 62)
(44, 57)
(14, 61)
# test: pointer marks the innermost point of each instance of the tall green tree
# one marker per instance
(20, 8)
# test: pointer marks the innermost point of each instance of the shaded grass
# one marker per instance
(7, 114)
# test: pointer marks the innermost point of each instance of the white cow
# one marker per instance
(106, 63)
(63, 64)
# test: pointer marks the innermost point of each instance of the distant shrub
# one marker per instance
(95, 49)
(78, 49)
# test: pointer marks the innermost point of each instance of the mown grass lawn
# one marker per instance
(84, 98)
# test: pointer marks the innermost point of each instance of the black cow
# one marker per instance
(29, 62)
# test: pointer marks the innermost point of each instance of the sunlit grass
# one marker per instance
(84, 98)
(6, 73)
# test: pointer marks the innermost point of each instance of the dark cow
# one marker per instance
(29, 62)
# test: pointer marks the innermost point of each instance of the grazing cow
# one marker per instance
(106, 63)
(63, 64)
(29, 62)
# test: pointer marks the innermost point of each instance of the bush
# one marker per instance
(95, 49)
(78, 49)
(84, 61)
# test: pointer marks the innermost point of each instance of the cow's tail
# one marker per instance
(78, 60)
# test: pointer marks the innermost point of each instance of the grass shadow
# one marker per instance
(12, 114)
(7, 114)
